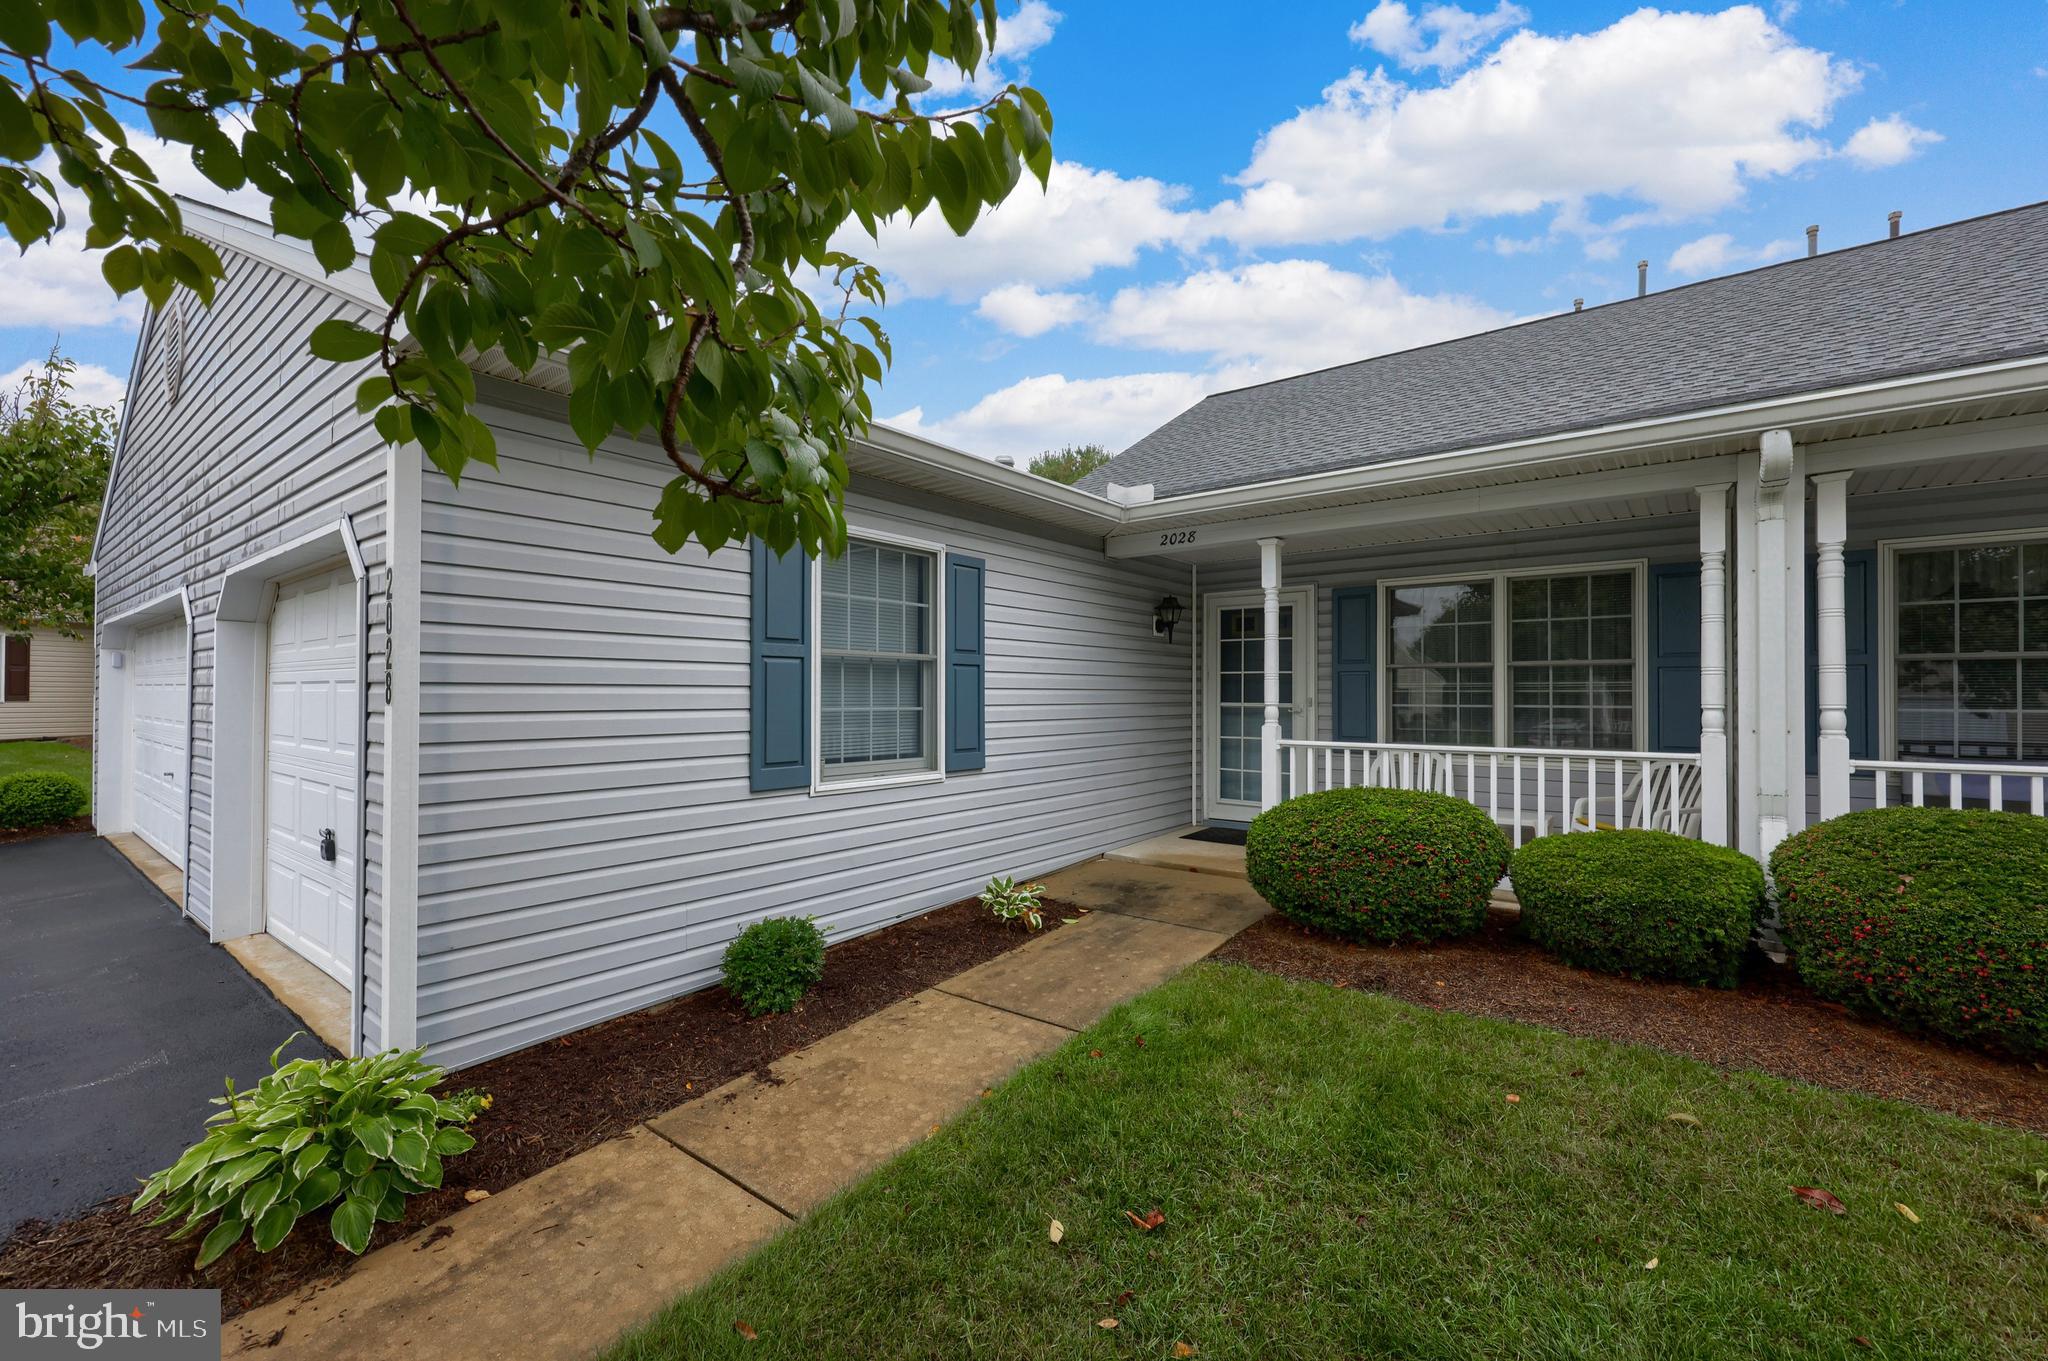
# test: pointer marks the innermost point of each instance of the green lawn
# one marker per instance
(58, 756)
(1343, 1175)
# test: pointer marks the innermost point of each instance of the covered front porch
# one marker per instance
(1721, 641)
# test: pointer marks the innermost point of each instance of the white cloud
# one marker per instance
(91, 385)
(1719, 253)
(1050, 410)
(1083, 221)
(57, 283)
(1025, 311)
(1887, 141)
(1445, 36)
(1677, 112)
(1286, 316)
(1018, 35)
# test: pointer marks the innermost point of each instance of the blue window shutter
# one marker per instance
(780, 754)
(966, 662)
(1859, 592)
(1354, 709)
(1675, 656)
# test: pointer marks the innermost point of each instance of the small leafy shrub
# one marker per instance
(358, 1134)
(1641, 903)
(1377, 864)
(37, 798)
(1012, 901)
(1933, 917)
(773, 963)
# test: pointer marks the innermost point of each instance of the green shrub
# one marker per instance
(1934, 917)
(1011, 901)
(36, 798)
(1640, 903)
(1377, 864)
(773, 963)
(359, 1134)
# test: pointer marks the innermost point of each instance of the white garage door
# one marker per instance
(157, 709)
(309, 846)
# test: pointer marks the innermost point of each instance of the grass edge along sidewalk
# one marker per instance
(1344, 1174)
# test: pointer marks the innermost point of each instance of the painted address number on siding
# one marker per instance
(1178, 536)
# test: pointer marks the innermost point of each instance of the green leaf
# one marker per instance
(122, 269)
(334, 247)
(409, 1150)
(273, 1226)
(449, 1142)
(323, 1186)
(218, 1240)
(343, 341)
(351, 1224)
(260, 1196)
(370, 1131)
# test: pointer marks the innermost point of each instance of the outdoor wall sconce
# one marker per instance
(1165, 615)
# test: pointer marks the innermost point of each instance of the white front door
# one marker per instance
(157, 708)
(1234, 708)
(309, 843)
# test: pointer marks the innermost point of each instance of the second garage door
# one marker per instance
(157, 707)
(309, 851)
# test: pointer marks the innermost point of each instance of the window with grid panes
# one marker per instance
(877, 662)
(1970, 655)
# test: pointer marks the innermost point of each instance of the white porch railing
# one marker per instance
(1529, 791)
(1949, 784)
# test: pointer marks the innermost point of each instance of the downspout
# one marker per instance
(1194, 696)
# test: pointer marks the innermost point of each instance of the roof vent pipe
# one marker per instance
(1893, 218)
(1813, 240)
(1578, 304)
(1006, 461)
(1642, 277)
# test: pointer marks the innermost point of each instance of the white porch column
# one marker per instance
(1714, 769)
(1780, 695)
(1830, 530)
(1269, 734)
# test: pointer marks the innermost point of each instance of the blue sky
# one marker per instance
(1236, 200)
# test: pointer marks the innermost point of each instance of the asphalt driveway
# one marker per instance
(117, 1021)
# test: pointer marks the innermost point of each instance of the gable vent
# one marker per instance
(172, 319)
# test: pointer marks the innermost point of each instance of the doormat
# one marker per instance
(1222, 836)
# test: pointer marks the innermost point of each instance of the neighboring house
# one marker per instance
(47, 690)
(502, 768)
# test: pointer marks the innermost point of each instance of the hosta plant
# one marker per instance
(1012, 901)
(357, 1135)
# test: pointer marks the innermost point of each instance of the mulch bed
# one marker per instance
(1771, 1022)
(81, 823)
(548, 1103)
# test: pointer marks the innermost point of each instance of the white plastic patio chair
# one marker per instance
(1646, 803)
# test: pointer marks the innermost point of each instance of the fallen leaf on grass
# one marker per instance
(1183, 1349)
(1141, 1041)
(745, 1329)
(1151, 1220)
(1650, 1265)
(1682, 1118)
(1095, 1053)
(1105, 1323)
(1123, 1299)
(1514, 1100)
(1907, 1211)
(1820, 1200)
(1057, 1231)
(475, 1194)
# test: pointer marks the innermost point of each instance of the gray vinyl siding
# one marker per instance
(263, 445)
(588, 840)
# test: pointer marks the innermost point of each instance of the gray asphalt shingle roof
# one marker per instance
(1968, 293)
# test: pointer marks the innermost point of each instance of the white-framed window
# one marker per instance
(1966, 633)
(1545, 657)
(878, 697)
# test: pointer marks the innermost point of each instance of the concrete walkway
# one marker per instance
(562, 1263)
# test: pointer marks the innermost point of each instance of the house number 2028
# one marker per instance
(1178, 536)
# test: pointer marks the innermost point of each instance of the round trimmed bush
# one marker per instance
(773, 963)
(1640, 903)
(36, 798)
(1933, 917)
(1377, 864)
